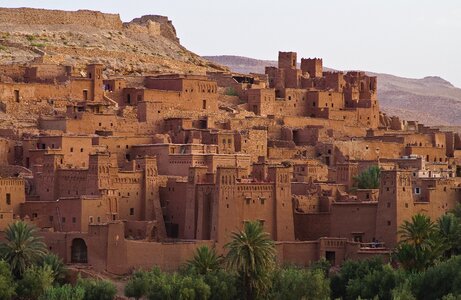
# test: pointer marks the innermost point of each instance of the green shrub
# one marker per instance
(64, 292)
(294, 283)
(97, 289)
(35, 281)
(7, 284)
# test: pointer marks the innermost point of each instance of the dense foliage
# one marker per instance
(368, 179)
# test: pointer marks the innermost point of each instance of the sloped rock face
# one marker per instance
(145, 45)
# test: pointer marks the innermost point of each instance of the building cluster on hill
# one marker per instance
(135, 171)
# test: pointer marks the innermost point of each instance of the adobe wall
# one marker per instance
(4, 151)
(32, 16)
(349, 219)
(297, 253)
(312, 226)
(168, 256)
(12, 194)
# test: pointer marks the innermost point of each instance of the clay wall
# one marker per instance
(353, 220)
(312, 226)
(287, 60)
(430, 154)
(131, 198)
(297, 253)
(12, 194)
(32, 16)
(252, 142)
(47, 73)
(173, 197)
(312, 66)
(121, 146)
(68, 214)
(261, 101)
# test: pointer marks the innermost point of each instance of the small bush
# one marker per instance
(97, 289)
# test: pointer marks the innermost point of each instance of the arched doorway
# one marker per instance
(79, 252)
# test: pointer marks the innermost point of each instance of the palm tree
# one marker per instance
(418, 232)
(57, 266)
(420, 244)
(205, 260)
(22, 247)
(449, 229)
(251, 253)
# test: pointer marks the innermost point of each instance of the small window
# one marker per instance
(132, 211)
(388, 223)
(63, 219)
(99, 219)
(417, 191)
(16, 95)
(74, 220)
(81, 149)
(91, 219)
(8, 199)
(71, 149)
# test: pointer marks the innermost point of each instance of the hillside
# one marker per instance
(430, 100)
(145, 45)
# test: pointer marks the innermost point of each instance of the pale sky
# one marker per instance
(410, 38)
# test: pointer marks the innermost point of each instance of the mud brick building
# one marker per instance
(123, 172)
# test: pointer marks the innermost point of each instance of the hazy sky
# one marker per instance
(411, 38)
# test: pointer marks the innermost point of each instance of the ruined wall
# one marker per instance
(32, 16)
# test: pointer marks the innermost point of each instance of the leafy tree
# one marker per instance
(368, 179)
(138, 285)
(403, 292)
(64, 292)
(439, 280)
(457, 210)
(176, 286)
(35, 281)
(378, 283)
(223, 285)
(251, 253)
(352, 270)
(420, 244)
(205, 260)
(158, 285)
(449, 229)
(7, 284)
(322, 265)
(23, 247)
(295, 283)
(57, 266)
(97, 289)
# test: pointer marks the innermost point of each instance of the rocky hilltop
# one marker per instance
(430, 100)
(143, 46)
